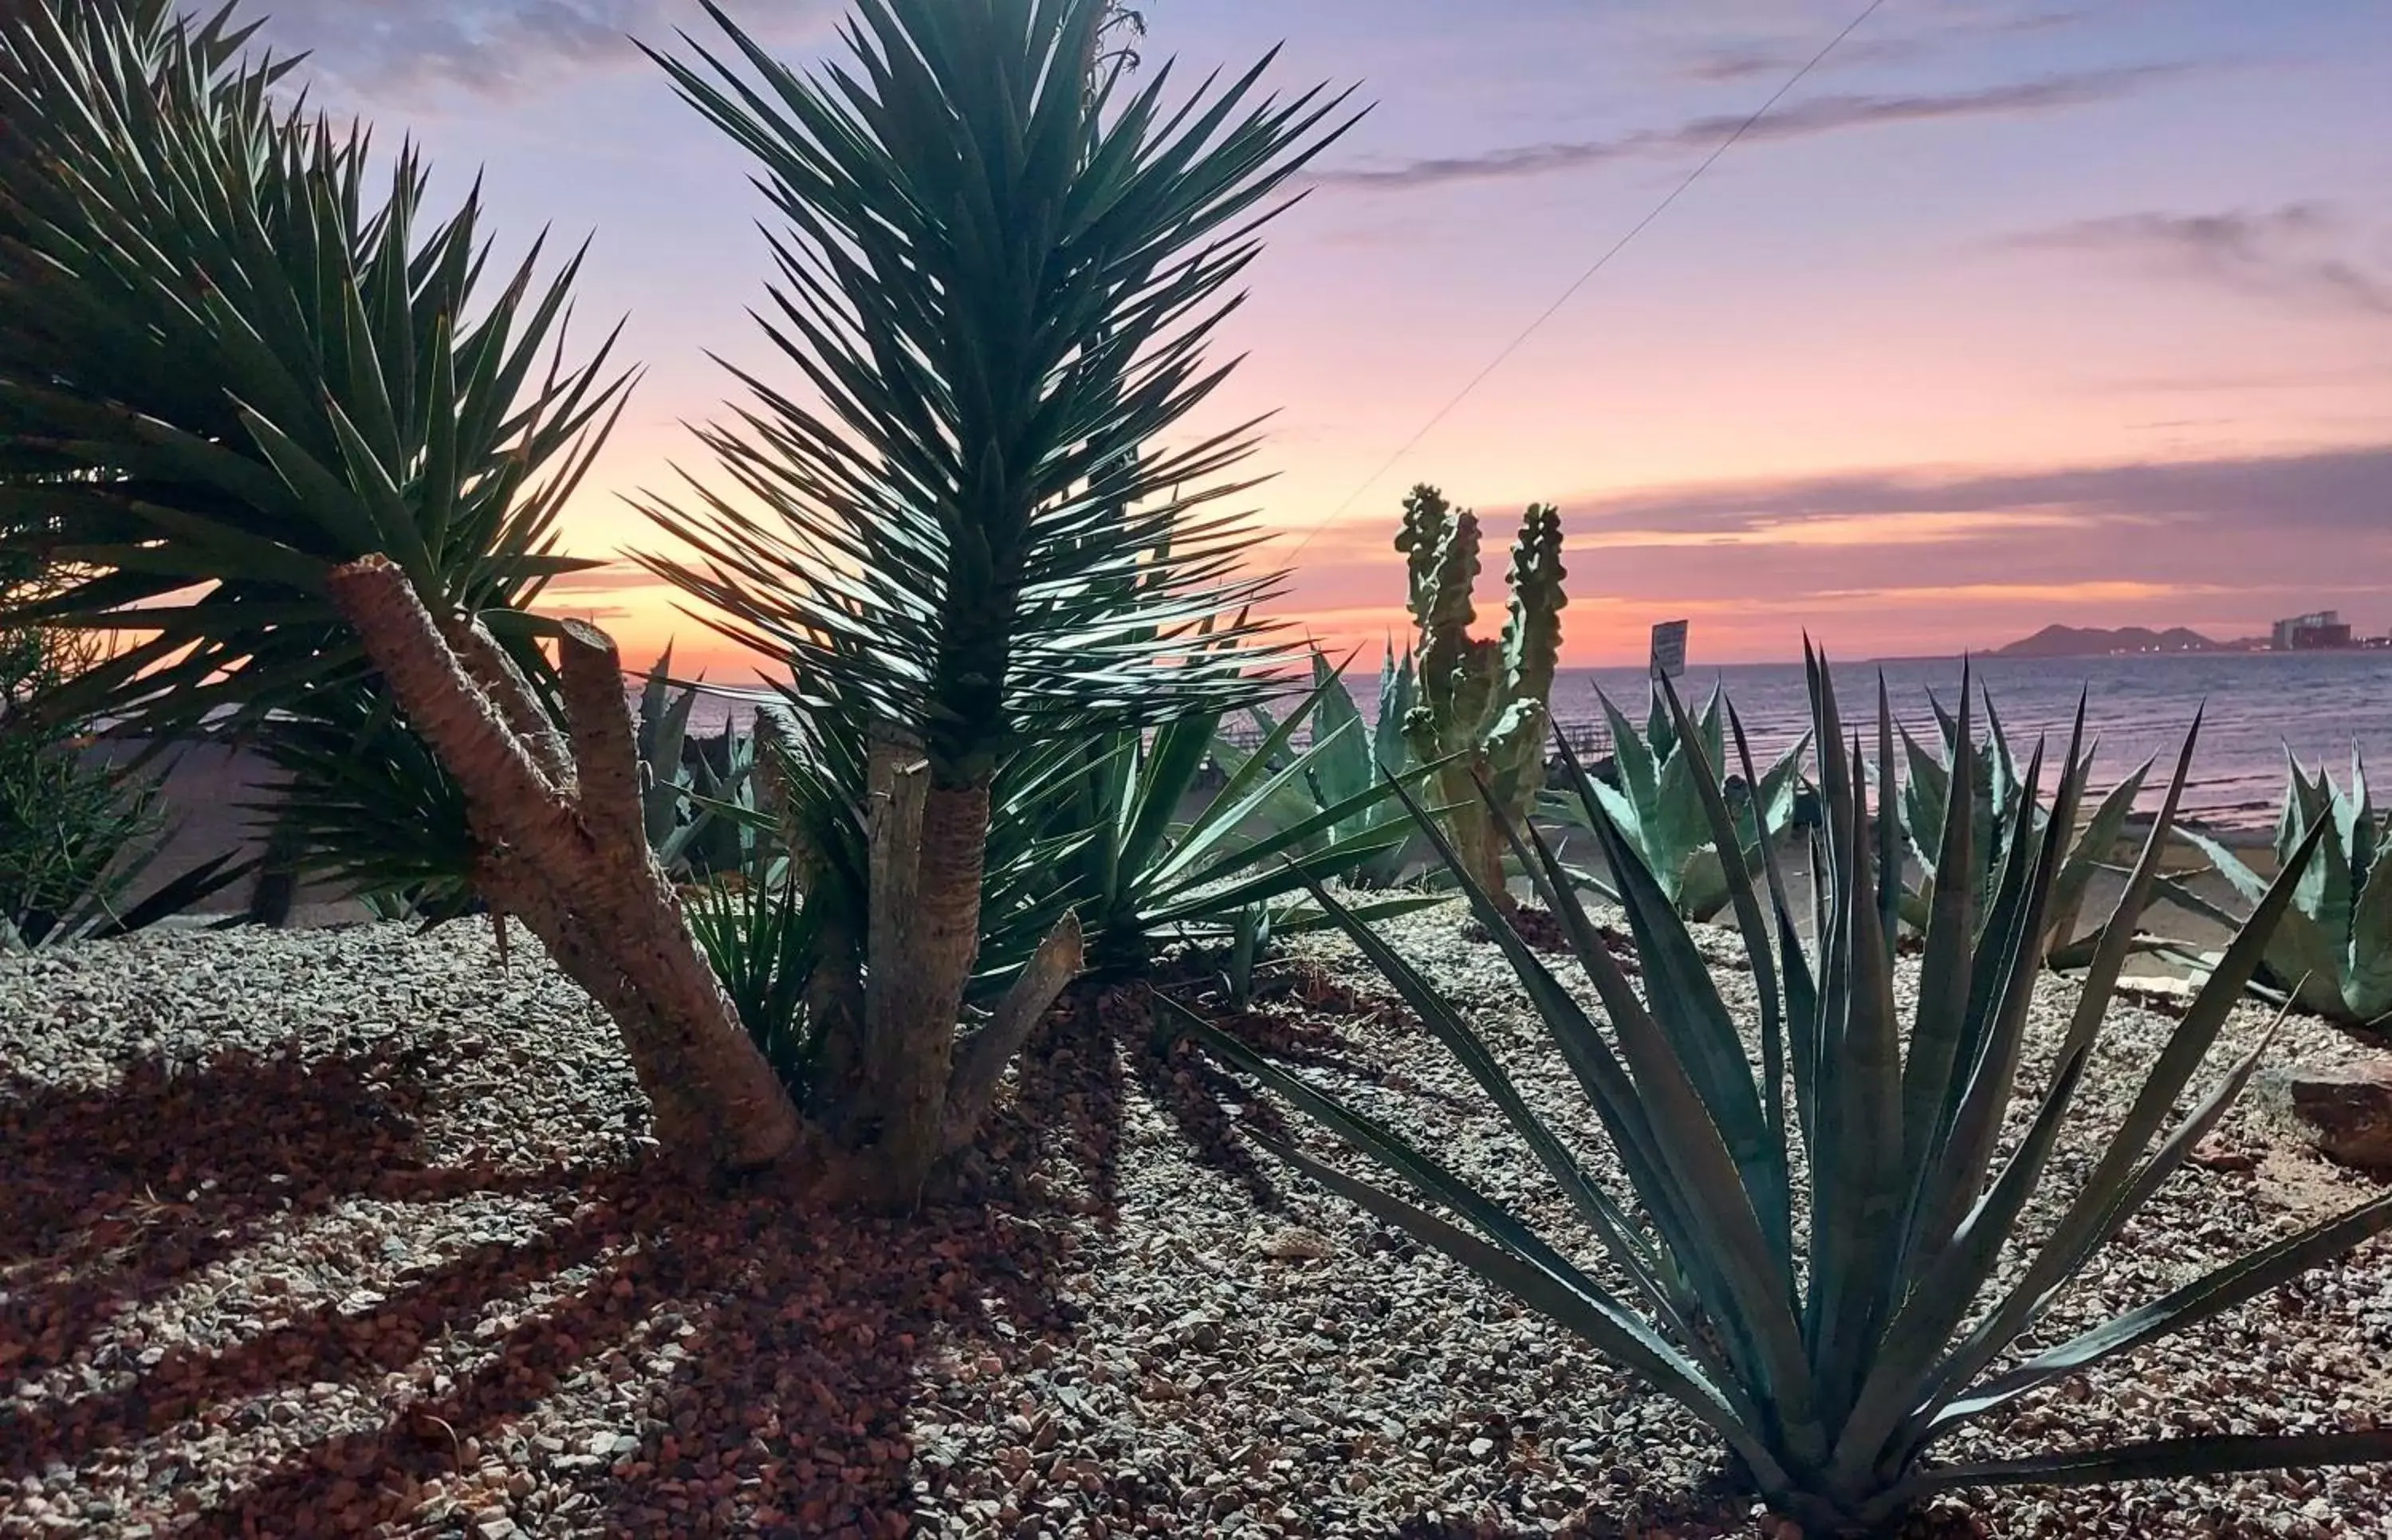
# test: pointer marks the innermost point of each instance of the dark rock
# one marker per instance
(2347, 1109)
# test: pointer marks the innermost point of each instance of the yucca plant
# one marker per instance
(1658, 808)
(1829, 1279)
(2331, 954)
(301, 454)
(2006, 808)
(1000, 270)
(798, 829)
(1100, 832)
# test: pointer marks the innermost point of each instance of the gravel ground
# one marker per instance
(352, 1231)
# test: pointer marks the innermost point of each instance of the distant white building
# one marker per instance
(2307, 633)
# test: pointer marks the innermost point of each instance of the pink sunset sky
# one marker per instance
(2006, 314)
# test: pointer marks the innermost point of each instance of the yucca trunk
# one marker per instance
(559, 823)
(929, 846)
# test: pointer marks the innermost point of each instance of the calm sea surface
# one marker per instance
(2254, 707)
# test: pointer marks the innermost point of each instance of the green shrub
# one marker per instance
(76, 832)
(71, 833)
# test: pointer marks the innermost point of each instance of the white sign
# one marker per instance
(1669, 649)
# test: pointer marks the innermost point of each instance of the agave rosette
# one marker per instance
(1837, 1279)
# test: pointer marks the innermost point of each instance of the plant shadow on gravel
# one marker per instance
(114, 1196)
(1073, 1077)
(758, 1360)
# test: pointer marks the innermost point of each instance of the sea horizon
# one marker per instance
(2253, 707)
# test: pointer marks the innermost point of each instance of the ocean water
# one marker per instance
(2253, 706)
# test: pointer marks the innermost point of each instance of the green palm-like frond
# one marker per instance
(234, 355)
(999, 274)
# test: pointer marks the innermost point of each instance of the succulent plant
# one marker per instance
(1139, 875)
(2333, 953)
(1482, 705)
(1346, 760)
(1835, 1281)
(1657, 806)
(2005, 810)
(683, 797)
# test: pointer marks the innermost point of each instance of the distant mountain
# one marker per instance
(2074, 641)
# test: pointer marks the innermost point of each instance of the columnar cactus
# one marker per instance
(1482, 705)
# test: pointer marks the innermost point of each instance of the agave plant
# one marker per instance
(1657, 806)
(2005, 810)
(1348, 758)
(1001, 268)
(1142, 875)
(2333, 952)
(660, 731)
(1829, 1279)
(689, 802)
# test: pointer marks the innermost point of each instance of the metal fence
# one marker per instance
(1590, 738)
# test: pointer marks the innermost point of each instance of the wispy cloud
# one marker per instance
(1931, 527)
(614, 577)
(1805, 119)
(2297, 253)
(1924, 559)
(1725, 66)
(2326, 491)
(397, 48)
(2255, 381)
(1779, 57)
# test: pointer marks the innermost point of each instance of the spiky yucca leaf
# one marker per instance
(1000, 278)
(1827, 1280)
(231, 362)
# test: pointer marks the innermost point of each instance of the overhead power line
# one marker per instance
(1582, 280)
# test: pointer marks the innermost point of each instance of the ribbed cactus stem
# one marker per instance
(1532, 645)
(1481, 703)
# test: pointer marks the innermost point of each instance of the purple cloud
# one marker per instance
(1800, 120)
